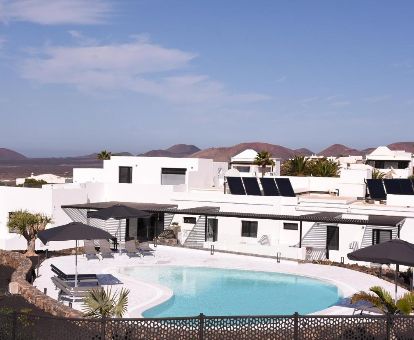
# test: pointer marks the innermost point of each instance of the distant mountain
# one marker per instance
(10, 155)
(223, 154)
(303, 152)
(178, 151)
(406, 146)
(337, 150)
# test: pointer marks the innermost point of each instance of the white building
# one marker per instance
(48, 178)
(244, 163)
(328, 216)
(398, 164)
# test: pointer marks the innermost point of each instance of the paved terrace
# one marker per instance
(144, 295)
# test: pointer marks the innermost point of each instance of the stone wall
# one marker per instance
(19, 285)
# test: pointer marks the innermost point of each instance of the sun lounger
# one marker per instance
(89, 249)
(145, 249)
(105, 248)
(91, 278)
(131, 248)
(67, 292)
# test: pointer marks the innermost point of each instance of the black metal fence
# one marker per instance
(19, 326)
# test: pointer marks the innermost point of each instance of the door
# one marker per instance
(332, 239)
(212, 228)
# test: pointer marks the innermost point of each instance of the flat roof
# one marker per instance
(323, 217)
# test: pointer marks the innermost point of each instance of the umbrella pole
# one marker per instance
(119, 233)
(395, 279)
(76, 264)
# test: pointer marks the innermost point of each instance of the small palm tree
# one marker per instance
(297, 166)
(104, 155)
(28, 225)
(324, 168)
(264, 159)
(105, 304)
(382, 299)
(376, 174)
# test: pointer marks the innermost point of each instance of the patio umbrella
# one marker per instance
(118, 212)
(395, 251)
(73, 231)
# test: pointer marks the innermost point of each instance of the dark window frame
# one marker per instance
(290, 226)
(173, 171)
(190, 219)
(249, 229)
(376, 237)
(125, 177)
(333, 243)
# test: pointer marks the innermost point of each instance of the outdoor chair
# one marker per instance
(67, 292)
(89, 249)
(91, 278)
(145, 249)
(131, 248)
(105, 248)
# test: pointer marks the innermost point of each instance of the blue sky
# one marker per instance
(80, 76)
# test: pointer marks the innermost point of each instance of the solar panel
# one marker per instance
(376, 189)
(252, 186)
(392, 186)
(406, 187)
(285, 187)
(236, 186)
(269, 187)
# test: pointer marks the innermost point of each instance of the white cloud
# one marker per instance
(139, 66)
(55, 12)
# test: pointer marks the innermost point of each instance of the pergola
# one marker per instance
(212, 211)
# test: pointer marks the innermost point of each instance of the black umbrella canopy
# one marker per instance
(118, 212)
(391, 252)
(73, 231)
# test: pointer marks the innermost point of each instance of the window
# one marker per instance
(403, 164)
(381, 235)
(173, 176)
(332, 237)
(191, 220)
(380, 164)
(290, 226)
(242, 168)
(249, 229)
(125, 174)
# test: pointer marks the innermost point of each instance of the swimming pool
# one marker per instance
(214, 291)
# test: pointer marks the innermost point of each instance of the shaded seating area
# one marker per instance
(105, 248)
(85, 278)
(89, 249)
(131, 249)
(69, 292)
(145, 249)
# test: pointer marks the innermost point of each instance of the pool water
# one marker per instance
(226, 292)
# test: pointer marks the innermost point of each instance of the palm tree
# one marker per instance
(105, 304)
(382, 299)
(264, 159)
(376, 174)
(324, 168)
(104, 155)
(28, 225)
(297, 166)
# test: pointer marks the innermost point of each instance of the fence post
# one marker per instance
(14, 325)
(201, 327)
(296, 326)
(389, 324)
(103, 331)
